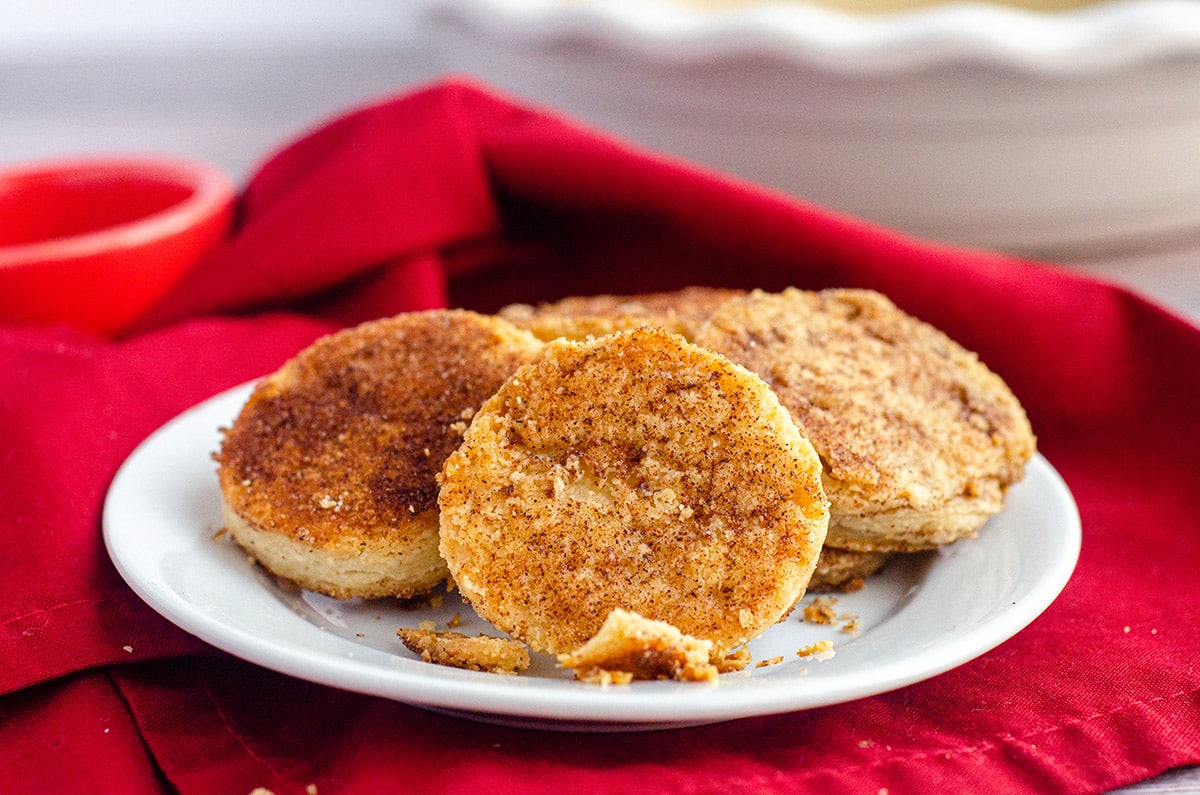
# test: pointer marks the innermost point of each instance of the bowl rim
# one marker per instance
(211, 189)
(1106, 35)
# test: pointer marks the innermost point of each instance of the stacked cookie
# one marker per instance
(918, 439)
(697, 458)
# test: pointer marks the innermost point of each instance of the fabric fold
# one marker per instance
(360, 194)
(72, 408)
(74, 735)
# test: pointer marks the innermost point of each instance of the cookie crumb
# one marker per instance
(628, 647)
(822, 650)
(736, 660)
(481, 653)
(597, 676)
(820, 610)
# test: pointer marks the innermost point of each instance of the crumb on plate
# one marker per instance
(629, 646)
(480, 653)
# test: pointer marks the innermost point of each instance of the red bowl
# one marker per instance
(95, 242)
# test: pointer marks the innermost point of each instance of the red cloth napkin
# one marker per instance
(455, 196)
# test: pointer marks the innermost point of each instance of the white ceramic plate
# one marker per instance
(922, 616)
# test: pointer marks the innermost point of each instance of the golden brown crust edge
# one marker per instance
(845, 570)
(681, 311)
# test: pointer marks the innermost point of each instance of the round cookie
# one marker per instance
(579, 317)
(633, 471)
(328, 475)
(919, 440)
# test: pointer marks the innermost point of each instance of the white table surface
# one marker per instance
(228, 80)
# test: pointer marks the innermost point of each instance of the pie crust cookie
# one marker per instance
(638, 472)
(918, 438)
(328, 475)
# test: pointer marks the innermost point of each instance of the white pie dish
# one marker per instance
(1060, 135)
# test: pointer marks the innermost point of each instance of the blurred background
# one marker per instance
(221, 80)
(229, 81)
